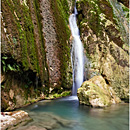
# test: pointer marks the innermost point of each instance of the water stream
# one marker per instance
(67, 114)
(77, 57)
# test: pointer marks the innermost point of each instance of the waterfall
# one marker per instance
(77, 56)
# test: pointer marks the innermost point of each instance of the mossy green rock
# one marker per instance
(35, 49)
(104, 32)
(97, 93)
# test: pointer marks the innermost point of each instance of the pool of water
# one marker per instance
(67, 114)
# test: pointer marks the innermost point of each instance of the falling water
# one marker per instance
(76, 54)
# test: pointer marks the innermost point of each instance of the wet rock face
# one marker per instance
(33, 36)
(71, 5)
(105, 38)
(22, 51)
(97, 93)
(35, 48)
(50, 42)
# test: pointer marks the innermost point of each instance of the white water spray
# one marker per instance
(77, 57)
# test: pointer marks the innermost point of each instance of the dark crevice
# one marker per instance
(125, 2)
(104, 76)
(10, 66)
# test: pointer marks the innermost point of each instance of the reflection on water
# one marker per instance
(67, 114)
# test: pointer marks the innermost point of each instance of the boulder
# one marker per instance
(9, 120)
(97, 93)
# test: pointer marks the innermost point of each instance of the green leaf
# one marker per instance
(26, 86)
(3, 62)
(5, 57)
(11, 68)
(2, 86)
(4, 68)
(17, 67)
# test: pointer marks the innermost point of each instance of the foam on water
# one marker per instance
(69, 98)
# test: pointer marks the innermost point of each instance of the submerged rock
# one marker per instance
(34, 128)
(11, 120)
(20, 120)
(47, 121)
(97, 93)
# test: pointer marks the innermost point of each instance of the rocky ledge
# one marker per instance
(9, 120)
(97, 93)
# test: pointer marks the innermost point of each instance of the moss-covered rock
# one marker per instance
(59, 95)
(60, 10)
(104, 32)
(35, 50)
(95, 92)
(23, 41)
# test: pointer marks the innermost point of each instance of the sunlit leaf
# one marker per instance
(4, 68)
(4, 57)
(3, 62)
(2, 86)
(11, 68)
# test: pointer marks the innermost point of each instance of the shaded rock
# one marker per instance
(19, 100)
(2, 78)
(97, 93)
(11, 119)
(11, 93)
(4, 100)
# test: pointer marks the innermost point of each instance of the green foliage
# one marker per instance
(14, 40)
(63, 94)
(2, 86)
(26, 86)
(64, 9)
(10, 67)
(66, 93)
(9, 64)
(5, 57)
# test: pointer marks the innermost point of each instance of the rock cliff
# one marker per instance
(35, 50)
(104, 32)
